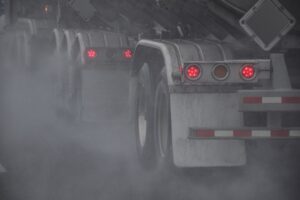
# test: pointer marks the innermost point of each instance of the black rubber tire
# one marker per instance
(162, 125)
(143, 107)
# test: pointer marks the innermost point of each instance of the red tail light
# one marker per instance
(248, 72)
(91, 53)
(193, 72)
(127, 54)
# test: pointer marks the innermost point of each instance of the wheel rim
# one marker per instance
(142, 122)
(162, 125)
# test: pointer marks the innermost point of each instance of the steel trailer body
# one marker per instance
(207, 117)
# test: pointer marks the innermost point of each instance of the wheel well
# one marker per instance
(152, 56)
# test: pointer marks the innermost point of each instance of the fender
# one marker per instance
(68, 40)
(29, 25)
(79, 46)
(35, 27)
(58, 36)
(197, 109)
(171, 59)
(94, 38)
(176, 52)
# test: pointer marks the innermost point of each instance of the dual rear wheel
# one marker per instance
(152, 120)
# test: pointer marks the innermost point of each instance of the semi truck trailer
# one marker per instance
(206, 76)
(230, 76)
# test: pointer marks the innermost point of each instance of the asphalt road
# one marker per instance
(49, 158)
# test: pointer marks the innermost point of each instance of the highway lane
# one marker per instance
(50, 158)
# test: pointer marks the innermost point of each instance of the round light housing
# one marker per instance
(220, 72)
(248, 72)
(128, 54)
(91, 53)
(193, 72)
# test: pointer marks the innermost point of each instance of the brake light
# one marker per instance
(127, 54)
(193, 72)
(91, 53)
(248, 72)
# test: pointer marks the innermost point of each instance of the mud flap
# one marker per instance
(205, 111)
(104, 93)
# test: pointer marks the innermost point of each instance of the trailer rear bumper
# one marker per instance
(244, 134)
(222, 148)
(269, 100)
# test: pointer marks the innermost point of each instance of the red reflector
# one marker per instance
(242, 133)
(279, 133)
(252, 100)
(128, 54)
(248, 72)
(204, 133)
(291, 100)
(91, 53)
(193, 72)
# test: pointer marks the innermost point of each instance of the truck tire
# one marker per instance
(163, 138)
(162, 125)
(143, 118)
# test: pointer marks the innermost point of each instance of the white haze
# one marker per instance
(49, 158)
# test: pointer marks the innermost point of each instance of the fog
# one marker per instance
(49, 157)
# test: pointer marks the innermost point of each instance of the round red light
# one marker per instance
(248, 72)
(91, 53)
(128, 54)
(193, 72)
